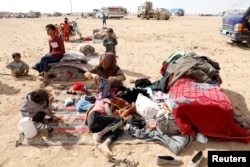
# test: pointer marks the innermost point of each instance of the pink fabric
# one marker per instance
(204, 107)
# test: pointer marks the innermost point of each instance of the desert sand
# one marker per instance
(143, 45)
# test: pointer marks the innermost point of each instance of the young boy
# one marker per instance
(17, 66)
(66, 27)
(103, 20)
(110, 41)
(55, 54)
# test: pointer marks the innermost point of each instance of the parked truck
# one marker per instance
(111, 12)
(146, 11)
(236, 22)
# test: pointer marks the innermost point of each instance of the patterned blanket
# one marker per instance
(70, 130)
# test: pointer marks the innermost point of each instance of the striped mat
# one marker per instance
(70, 130)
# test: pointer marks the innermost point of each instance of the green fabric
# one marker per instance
(116, 126)
(183, 53)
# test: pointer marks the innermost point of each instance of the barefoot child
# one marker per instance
(56, 52)
(37, 105)
(17, 66)
(66, 29)
(102, 123)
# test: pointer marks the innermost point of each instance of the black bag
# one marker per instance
(142, 83)
(137, 122)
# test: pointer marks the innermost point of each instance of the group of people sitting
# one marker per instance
(38, 103)
(55, 54)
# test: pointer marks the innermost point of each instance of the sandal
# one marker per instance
(110, 164)
(118, 162)
(131, 162)
(114, 161)
(34, 68)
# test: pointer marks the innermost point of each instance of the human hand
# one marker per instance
(112, 79)
(51, 99)
(97, 79)
(55, 118)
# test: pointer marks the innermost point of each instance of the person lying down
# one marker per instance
(106, 119)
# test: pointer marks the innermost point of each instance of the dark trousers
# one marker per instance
(43, 65)
(97, 122)
(39, 117)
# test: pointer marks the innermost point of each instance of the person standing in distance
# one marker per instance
(103, 19)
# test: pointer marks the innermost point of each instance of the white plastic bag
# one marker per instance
(146, 107)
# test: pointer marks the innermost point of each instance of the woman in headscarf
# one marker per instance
(107, 69)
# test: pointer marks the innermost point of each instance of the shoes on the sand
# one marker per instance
(119, 162)
(164, 160)
(34, 68)
(195, 161)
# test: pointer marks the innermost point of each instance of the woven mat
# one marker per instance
(70, 130)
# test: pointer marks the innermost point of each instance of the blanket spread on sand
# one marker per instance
(70, 130)
(206, 108)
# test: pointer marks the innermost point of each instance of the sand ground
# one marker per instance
(143, 45)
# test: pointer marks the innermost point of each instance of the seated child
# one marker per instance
(17, 66)
(37, 105)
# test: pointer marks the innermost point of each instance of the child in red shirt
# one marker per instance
(56, 52)
(66, 26)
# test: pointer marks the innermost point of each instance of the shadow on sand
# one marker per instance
(135, 74)
(239, 103)
(8, 90)
(241, 45)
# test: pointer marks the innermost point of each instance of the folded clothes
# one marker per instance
(68, 102)
(83, 105)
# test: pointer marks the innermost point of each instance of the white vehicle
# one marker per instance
(112, 12)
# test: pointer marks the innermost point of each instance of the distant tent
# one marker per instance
(177, 11)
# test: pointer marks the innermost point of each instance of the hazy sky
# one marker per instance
(190, 6)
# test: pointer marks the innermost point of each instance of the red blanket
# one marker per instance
(206, 108)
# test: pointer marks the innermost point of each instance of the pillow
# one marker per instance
(146, 107)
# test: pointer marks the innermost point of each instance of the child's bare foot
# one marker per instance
(97, 138)
(15, 73)
(105, 150)
(25, 73)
